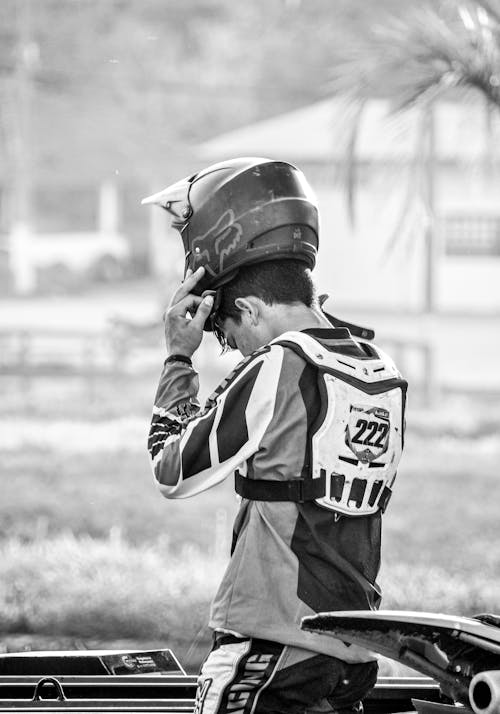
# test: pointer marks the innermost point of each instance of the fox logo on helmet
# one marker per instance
(225, 235)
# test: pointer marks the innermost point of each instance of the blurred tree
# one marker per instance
(429, 49)
(416, 56)
(298, 43)
(125, 87)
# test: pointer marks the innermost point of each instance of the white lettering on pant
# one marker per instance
(218, 673)
(241, 690)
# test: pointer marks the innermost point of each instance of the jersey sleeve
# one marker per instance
(193, 449)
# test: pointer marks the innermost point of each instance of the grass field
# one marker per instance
(90, 552)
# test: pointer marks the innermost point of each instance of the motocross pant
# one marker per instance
(254, 676)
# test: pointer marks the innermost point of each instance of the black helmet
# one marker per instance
(242, 211)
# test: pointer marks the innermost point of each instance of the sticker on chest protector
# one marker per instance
(367, 432)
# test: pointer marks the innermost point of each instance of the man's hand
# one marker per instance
(183, 334)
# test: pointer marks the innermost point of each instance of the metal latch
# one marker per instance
(49, 688)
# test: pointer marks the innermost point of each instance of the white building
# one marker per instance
(415, 176)
(380, 261)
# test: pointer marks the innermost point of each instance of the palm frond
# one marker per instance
(418, 55)
(491, 7)
(413, 203)
(350, 162)
(415, 57)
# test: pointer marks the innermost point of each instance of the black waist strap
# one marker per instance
(297, 489)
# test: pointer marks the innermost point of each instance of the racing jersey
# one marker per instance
(288, 559)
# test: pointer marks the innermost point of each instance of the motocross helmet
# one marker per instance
(242, 211)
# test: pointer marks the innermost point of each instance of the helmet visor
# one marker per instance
(175, 200)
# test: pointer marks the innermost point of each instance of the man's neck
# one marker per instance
(296, 317)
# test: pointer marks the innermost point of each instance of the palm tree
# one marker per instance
(429, 49)
(414, 58)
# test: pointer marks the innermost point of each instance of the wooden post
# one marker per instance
(430, 385)
(432, 250)
(431, 232)
(109, 211)
(21, 264)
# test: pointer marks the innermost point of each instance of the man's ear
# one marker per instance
(249, 306)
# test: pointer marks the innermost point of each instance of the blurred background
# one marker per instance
(392, 110)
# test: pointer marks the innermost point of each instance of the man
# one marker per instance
(310, 423)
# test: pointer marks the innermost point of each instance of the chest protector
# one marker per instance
(357, 440)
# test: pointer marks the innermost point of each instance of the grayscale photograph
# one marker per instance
(249, 348)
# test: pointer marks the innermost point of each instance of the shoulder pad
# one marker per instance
(377, 369)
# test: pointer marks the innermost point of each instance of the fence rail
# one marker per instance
(124, 348)
(416, 361)
(55, 351)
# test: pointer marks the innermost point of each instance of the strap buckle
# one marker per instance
(296, 488)
(384, 498)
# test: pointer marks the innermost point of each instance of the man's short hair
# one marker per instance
(283, 282)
